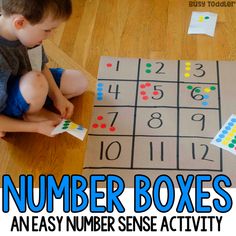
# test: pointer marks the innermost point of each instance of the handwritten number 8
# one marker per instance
(156, 121)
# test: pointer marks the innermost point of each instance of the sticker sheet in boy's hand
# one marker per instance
(70, 127)
(226, 137)
(203, 23)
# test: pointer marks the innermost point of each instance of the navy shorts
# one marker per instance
(16, 105)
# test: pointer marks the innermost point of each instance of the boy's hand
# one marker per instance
(46, 127)
(64, 106)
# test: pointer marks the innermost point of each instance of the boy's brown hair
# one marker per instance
(36, 10)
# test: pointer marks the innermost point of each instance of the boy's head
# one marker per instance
(33, 20)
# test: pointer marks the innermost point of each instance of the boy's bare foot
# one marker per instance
(2, 134)
(42, 115)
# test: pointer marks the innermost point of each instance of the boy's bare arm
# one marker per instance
(54, 91)
(8, 124)
(63, 105)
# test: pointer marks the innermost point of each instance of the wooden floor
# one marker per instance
(126, 28)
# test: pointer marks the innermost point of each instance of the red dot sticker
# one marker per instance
(109, 65)
(145, 97)
(100, 117)
(148, 84)
(142, 86)
(155, 93)
(112, 129)
(95, 126)
(103, 126)
(143, 93)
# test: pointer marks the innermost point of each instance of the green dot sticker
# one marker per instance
(197, 90)
(148, 71)
(234, 141)
(190, 87)
(213, 88)
(149, 65)
(66, 124)
(207, 17)
(231, 145)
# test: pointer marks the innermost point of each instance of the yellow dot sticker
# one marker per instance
(73, 126)
(201, 18)
(187, 63)
(234, 130)
(225, 142)
(207, 90)
(186, 75)
(227, 138)
(187, 68)
(230, 134)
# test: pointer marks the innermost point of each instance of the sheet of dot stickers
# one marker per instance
(226, 138)
(156, 117)
(70, 127)
(203, 23)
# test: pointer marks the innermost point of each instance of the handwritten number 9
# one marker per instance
(200, 118)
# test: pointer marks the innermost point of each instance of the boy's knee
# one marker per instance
(84, 83)
(34, 85)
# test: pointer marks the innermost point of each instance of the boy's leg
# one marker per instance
(34, 89)
(73, 83)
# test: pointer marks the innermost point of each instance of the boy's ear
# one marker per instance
(19, 22)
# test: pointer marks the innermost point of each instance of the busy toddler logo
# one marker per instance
(148, 207)
(212, 3)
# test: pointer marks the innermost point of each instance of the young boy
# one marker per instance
(23, 92)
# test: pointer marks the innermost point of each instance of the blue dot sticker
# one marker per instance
(205, 103)
(100, 94)
(233, 120)
(80, 127)
(218, 140)
(224, 131)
